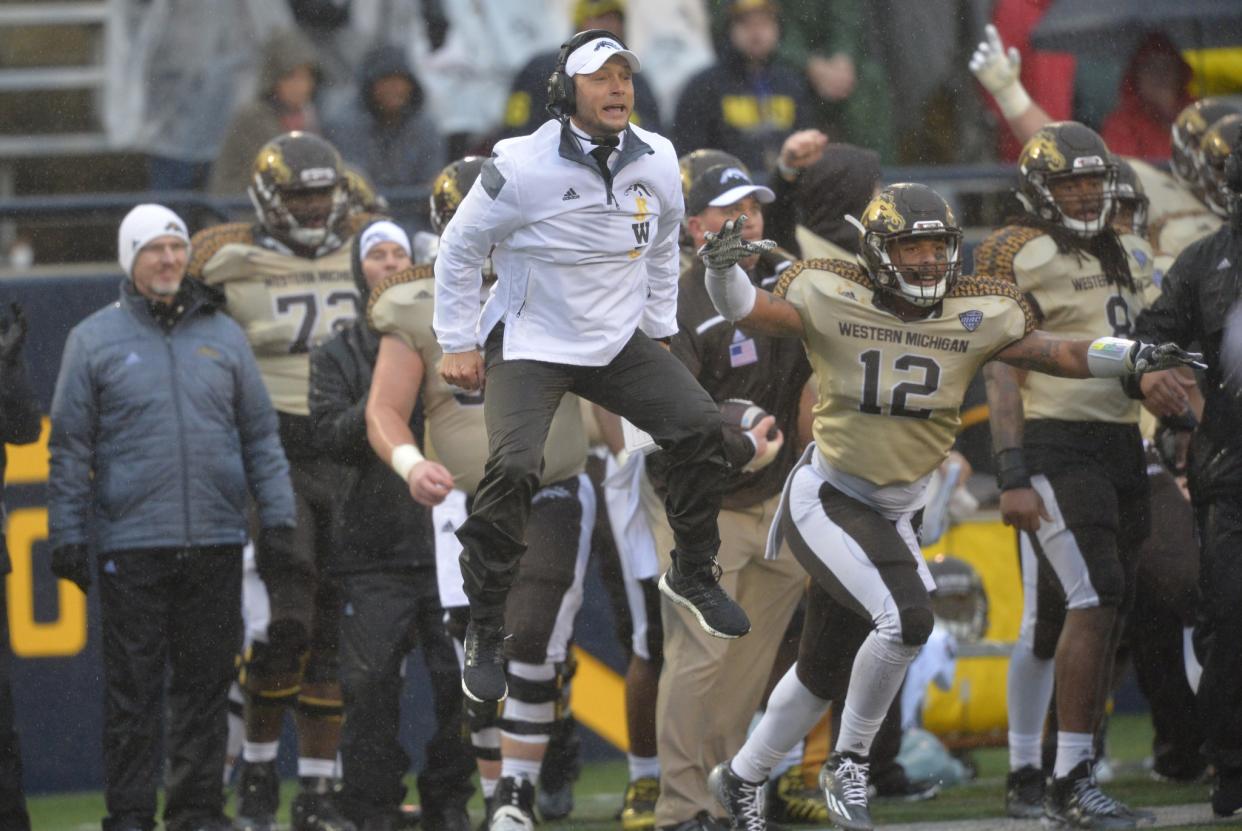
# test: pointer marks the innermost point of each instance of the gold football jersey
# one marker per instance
(456, 433)
(286, 304)
(1072, 299)
(891, 391)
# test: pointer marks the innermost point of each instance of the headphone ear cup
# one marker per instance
(568, 95)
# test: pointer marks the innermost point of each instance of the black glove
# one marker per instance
(72, 562)
(273, 551)
(1149, 358)
(13, 335)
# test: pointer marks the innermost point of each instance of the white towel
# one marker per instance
(447, 517)
(630, 530)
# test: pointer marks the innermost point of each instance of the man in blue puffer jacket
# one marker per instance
(161, 429)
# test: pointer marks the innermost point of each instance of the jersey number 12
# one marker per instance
(906, 363)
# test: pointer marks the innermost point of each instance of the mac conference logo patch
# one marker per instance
(971, 319)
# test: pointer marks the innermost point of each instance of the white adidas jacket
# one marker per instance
(579, 266)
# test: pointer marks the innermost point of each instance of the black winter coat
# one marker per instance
(1196, 296)
(380, 527)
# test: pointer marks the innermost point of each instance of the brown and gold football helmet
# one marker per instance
(1064, 150)
(903, 211)
(299, 191)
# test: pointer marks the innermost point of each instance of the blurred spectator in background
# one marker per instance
(385, 130)
(467, 78)
(189, 62)
(339, 46)
(924, 48)
(524, 111)
(1048, 76)
(19, 424)
(674, 35)
(1153, 92)
(750, 99)
(285, 101)
(832, 41)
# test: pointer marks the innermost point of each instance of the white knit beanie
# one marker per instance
(143, 224)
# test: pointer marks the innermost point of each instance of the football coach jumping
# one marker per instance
(581, 220)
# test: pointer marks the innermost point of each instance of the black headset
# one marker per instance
(561, 104)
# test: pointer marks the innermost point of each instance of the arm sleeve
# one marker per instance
(267, 470)
(20, 420)
(75, 422)
(490, 212)
(664, 267)
(338, 422)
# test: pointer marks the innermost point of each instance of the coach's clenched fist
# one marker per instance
(463, 369)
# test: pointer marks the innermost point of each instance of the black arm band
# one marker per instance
(1130, 384)
(1011, 472)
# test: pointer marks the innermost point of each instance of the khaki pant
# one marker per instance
(711, 687)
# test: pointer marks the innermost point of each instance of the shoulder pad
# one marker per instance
(995, 255)
(410, 275)
(1156, 228)
(205, 244)
(982, 285)
(356, 222)
(848, 270)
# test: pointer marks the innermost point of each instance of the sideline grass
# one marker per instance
(598, 793)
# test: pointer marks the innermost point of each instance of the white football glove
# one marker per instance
(722, 251)
(999, 70)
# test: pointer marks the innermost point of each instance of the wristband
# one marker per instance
(404, 457)
(1013, 100)
(1011, 472)
(1111, 357)
(786, 172)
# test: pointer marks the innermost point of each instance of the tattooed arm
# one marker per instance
(1042, 352)
(773, 316)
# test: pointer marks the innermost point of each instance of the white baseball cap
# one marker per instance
(379, 232)
(143, 224)
(591, 55)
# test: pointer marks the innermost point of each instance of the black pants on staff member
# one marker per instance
(644, 383)
(387, 614)
(12, 800)
(1220, 687)
(170, 613)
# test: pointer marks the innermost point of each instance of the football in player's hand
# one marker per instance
(746, 414)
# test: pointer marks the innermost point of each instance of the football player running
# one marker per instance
(547, 591)
(286, 279)
(894, 345)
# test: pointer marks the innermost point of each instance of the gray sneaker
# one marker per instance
(843, 780)
(1076, 801)
(744, 801)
